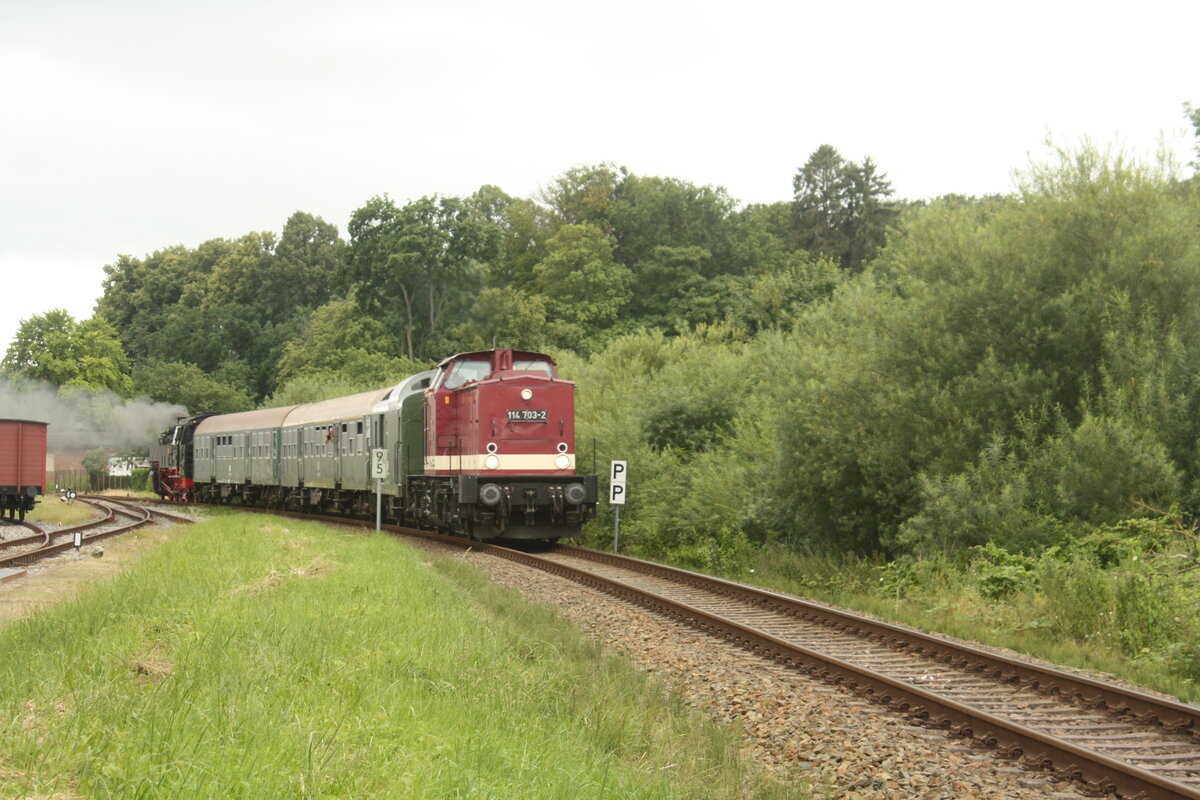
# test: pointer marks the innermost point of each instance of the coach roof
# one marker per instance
(243, 421)
(354, 406)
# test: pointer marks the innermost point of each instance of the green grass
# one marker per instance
(51, 509)
(259, 658)
(946, 598)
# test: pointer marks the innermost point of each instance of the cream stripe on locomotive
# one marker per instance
(510, 462)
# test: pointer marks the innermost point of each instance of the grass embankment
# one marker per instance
(246, 659)
(51, 509)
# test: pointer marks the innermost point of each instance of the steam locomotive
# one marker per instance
(483, 446)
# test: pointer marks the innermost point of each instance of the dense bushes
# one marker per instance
(998, 403)
(1012, 370)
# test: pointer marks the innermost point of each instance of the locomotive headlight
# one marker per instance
(492, 461)
(562, 462)
(575, 493)
(489, 494)
(527, 394)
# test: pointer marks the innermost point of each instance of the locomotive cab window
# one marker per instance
(539, 365)
(472, 369)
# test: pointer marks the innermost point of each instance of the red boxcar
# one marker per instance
(22, 465)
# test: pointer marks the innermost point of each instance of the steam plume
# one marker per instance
(84, 419)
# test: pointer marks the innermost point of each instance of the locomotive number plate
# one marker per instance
(526, 415)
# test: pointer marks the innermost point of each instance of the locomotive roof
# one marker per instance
(26, 421)
(488, 353)
(243, 420)
(355, 405)
(410, 385)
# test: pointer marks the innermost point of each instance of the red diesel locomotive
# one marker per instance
(484, 446)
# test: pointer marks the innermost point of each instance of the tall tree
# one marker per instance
(426, 255)
(190, 387)
(55, 348)
(1193, 115)
(584, 287)
(337, 333)
(523, 227)
(820, 200)
(383, 290)
(505, 317)
(583, 194)
(840, 208)
(307, 257)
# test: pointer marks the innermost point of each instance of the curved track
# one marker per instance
(116, 517)
(1102, 738)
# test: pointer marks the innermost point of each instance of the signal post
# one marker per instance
(617, 474)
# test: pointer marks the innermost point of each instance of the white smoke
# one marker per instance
(85, 419)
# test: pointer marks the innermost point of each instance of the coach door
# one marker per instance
(244, 461)
(340, 440)
(302, 446)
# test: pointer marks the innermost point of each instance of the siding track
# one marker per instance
(116, 517)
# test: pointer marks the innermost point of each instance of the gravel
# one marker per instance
(803, 731)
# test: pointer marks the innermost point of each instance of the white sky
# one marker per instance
(129, 126)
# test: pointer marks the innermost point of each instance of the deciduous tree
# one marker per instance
(585, 289)
(55, 348)
(190, 387)
(412, 264)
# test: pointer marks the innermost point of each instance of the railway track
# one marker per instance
(116, 517)
(1101, 738)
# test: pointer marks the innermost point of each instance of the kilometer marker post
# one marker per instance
(616, 495)
(379, 471)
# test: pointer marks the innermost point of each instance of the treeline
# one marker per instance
(1010, 370)
(601, 253)
(841, 371)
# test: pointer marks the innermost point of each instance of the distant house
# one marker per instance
(123, 467)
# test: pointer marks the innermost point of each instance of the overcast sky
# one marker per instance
(126, 127)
